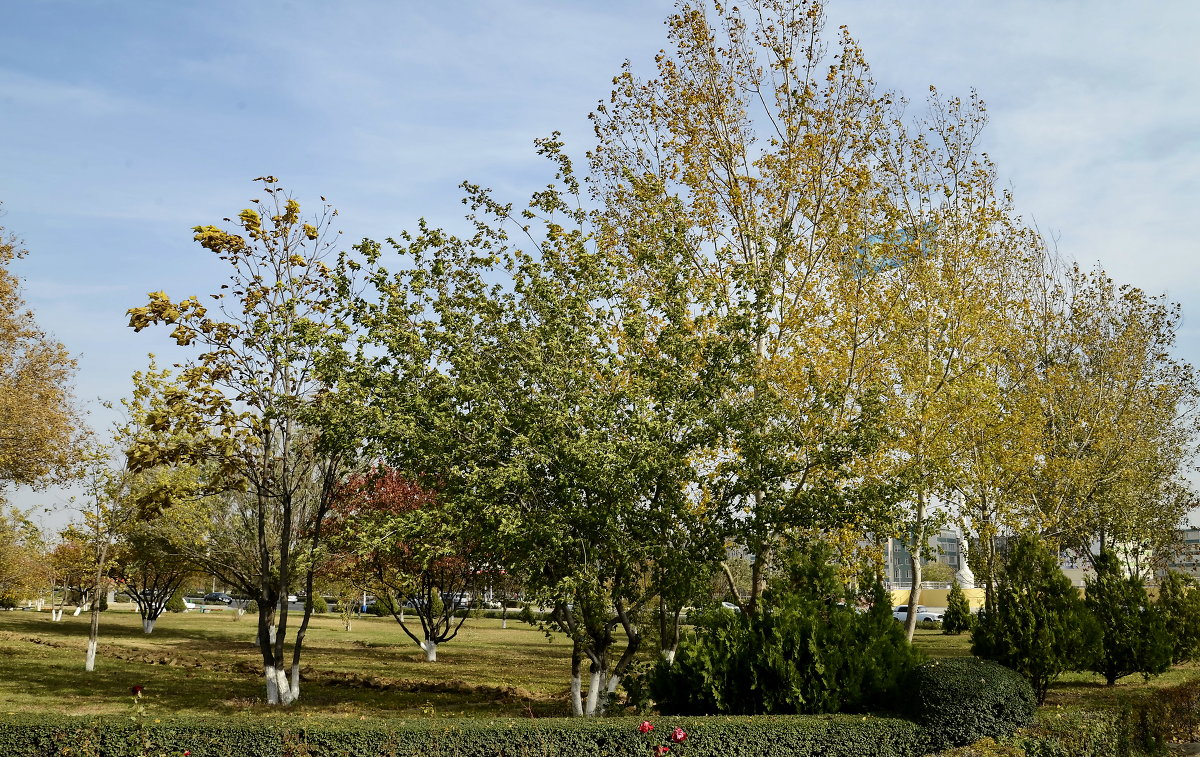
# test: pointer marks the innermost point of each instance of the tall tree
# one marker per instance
(253, 405)
(40, 428)
(1119, 419)
(760, 148)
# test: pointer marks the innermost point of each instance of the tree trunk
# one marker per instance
(429, 646)
(918, 546)
(93, 635)
(576, 681)
(148, 625)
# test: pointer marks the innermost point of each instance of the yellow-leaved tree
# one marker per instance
(39, 424)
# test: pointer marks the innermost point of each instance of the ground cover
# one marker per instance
(206, 664)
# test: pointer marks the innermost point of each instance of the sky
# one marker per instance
(123, 125)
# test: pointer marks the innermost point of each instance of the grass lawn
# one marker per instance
(197, 663)
(206, 664)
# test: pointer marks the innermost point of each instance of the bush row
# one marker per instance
(119, 736)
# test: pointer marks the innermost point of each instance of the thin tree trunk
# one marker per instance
(576, 681)
(914, 594)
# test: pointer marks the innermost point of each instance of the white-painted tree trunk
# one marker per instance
(504, 622)
(56, 615)
(78, 611)
(669, 656)
(279, 690)
(430, 648)
(576, 694)
(148, 625)
(295, 684)
(595, 685)
(90, 661)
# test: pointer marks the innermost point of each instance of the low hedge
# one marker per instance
(960, 700)
(121, 736)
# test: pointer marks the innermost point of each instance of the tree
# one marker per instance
(958, 611)
(1119, 419)
(254, 407)
(768, 231)
(40, 429)
(24, 562)
(410, 547)
(1179, 605)
(73, 567)
(155, 553)
(1133, 635)
(1040, 627)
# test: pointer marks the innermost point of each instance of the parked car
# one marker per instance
(730, 606)
(923, 614)
(218, 597)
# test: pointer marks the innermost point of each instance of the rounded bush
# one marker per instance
(252, 607)
(320, 606)
(961, 700)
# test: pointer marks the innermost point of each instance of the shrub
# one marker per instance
(1179, 605)
(1133, 635)
(1075, 734)
(176, 603)
(957, 617)
(252, 607)
(1039, 627)
(319, 605)
(383, 607)
(827, 736)
(960, 700)
(807, 652)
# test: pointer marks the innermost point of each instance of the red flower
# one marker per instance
(186, 752)
(137, 690)
(645, 727)
(659, 751)
(678, 736)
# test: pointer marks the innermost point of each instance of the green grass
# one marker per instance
(206, 664)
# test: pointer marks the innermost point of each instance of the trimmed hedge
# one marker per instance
(960, 700)
(119, 736)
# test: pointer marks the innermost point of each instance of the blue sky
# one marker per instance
(122, 125)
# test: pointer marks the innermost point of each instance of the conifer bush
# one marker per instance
(1179, 604)
(808, 651)
(319, 605)
(1039, 627)
(957, 617)
(1133, 635)
(176, 602)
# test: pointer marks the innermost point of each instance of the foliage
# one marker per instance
(319, 605)
(1119, 430)
(808, 653)
(252, 607)
(27, 736)
(40, 428)
(937, 572)
(251, 404)
(25, 565)
(404, 540)
(960, 700)
(1133, 634)
(1179, 604)
(957, 617)
(1040, 627)
(176, 602)
(1075, 733)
